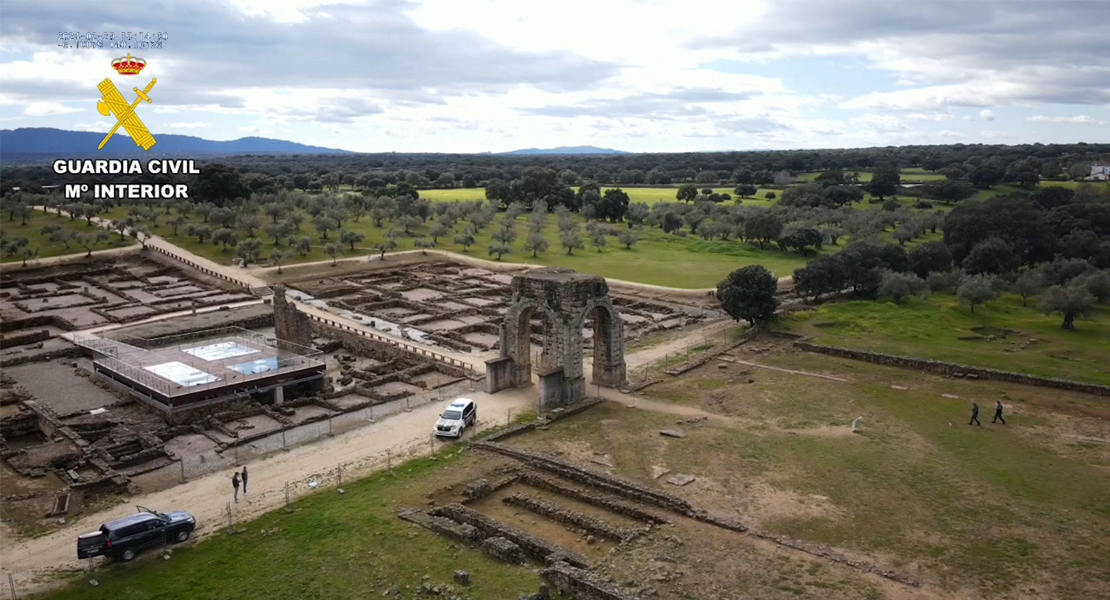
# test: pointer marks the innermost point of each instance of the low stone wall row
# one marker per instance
(646, 495)
(36, 321)
(581, 584)
(537, 548)
(615, 485)
(559, 413)
(460, 532)
(591, 497)
(22, 339)
(22, 359)
(357, 335)
(954, 369)
(496, 546)
(591, 525)
(503, 549)
(835, 557)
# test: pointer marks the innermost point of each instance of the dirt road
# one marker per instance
(32, 562)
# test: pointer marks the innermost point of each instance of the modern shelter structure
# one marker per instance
(193, 370)
(565, 299)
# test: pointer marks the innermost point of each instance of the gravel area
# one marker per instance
(55, 385)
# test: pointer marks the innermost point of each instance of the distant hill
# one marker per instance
(566, 150)
(44, 140)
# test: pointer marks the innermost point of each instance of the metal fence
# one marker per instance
(210, 461)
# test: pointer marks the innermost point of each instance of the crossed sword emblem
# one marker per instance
(113, 102)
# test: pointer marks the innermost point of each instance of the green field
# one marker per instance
(909, 175)
(940, 328)
(1015, 511)
(46, 248)
(658, 259)
(330, 546)
(647, 195)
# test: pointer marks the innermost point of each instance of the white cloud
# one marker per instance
(45, 109)
(1076, 120)
(472, 75)
(190, 125)
(100, 126)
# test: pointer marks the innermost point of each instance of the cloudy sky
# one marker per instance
(638, 75)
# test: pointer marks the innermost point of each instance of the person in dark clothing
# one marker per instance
(998, 412)
(974, 415)
(235, 484)
(244, 481)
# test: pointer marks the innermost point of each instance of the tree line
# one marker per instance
(976, 163)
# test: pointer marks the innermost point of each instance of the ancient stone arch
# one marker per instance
(566, 299)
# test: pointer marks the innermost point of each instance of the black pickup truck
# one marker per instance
(123, 538)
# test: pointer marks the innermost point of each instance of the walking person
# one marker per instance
(235, 484)
(974, 420)
(244, 480)
(998, 412)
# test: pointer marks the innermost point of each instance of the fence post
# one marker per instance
(92, 576)
(389, 460)
(508, 417)
(283, 447)
(182, 461)
(287, 496)
(11, 586)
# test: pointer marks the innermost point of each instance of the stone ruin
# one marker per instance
(566, 298)
(290, 324)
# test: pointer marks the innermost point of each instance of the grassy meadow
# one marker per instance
(658, 258)
(329, 546)
(1015, 511)
(46, 247)
(1001, 334)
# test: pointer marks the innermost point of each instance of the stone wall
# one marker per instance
(499, 374)
(573, 518)
(558, 413)
(36, 321)
(615, 485)
(954, 369)
(581, 584)
(367, 346)
(503, 549)
(11, 341)
(22, 359)
(448, 528)
(640, 493)
(290, 324)
(533, 546)
(597, 499)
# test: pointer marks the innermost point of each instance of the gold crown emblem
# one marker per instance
(128, 66)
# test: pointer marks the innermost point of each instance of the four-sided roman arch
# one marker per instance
(564, 299)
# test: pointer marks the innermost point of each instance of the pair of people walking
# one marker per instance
(975, 414)
(235, 479)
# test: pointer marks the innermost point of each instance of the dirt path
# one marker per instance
(712, 332)
(733, 359)
(65, 258)
(33, 562)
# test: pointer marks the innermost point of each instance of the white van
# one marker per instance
(460, 414)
